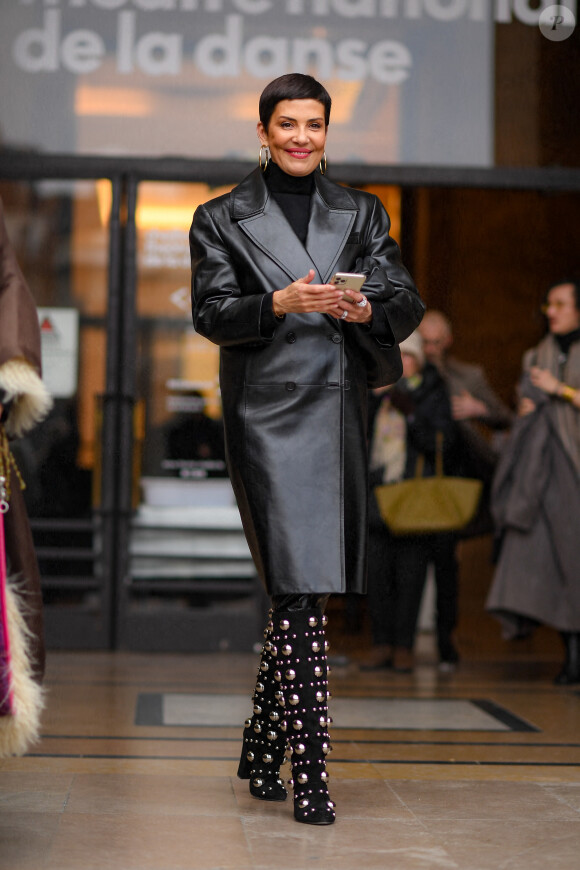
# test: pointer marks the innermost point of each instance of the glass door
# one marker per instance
(60, 230)
(190, 581)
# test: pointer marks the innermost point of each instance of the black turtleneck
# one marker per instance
(566, 341)
(292, 193)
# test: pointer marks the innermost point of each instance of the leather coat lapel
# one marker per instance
(272, 233)
(332, 214)
(328, 230)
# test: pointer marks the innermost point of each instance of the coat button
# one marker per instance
(291, 337)
(290, 385)
(336, 338)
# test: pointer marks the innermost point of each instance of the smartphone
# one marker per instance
(348, 281)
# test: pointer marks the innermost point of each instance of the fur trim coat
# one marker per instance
(25, 401)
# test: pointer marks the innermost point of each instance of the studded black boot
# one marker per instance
(301, 661)
(264, 740)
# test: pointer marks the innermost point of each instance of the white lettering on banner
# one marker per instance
(82, 51)
(125, 40)
(36, 50)
(315, 51)
(388, 62)
(355, 8)
(155, 53)
(218, 55)
(479, 10)
(160, 53)
(446, 10)
(503, 11)
(249, 7)
(527, 15)
(225, 54)
(40, 49)
(264, 56)
(350, 53)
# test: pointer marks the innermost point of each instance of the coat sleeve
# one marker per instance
(397, 306)
(23, 395)
(498, 415)
(220, 312)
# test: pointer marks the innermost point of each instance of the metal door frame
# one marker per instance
(74, 629)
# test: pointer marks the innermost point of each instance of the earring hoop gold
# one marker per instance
(263, 166)
(321, 167)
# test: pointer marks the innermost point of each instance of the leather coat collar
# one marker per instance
(332, 215)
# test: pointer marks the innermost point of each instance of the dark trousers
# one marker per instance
(397, 568)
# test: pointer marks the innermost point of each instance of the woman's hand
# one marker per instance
(355, 312)
(303, 296)
(544, 380)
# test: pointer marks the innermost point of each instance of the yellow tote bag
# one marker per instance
(426, 505)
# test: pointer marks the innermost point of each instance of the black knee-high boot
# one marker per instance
(570, 673)
(301, 662)
(264, 741)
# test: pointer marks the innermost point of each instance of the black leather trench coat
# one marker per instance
(294, 400)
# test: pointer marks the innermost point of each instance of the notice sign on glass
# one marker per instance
(59, 332)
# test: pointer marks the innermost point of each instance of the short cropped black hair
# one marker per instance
(575, 282)
(292, 86)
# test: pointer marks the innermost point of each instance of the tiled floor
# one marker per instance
(101, 792)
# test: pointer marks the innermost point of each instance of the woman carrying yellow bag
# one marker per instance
(406, 425)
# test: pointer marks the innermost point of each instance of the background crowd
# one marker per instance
(529, 465)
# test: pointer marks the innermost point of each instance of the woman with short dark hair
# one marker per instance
(536, 490)
(295, 358)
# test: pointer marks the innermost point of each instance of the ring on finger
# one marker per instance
(343, 315)
(363, 303)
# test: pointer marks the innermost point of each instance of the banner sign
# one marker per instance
(411, 80)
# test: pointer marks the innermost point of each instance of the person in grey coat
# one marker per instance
(293, 374)
(536, 490)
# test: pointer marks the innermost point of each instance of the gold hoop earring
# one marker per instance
(263, 166)
(323, 170)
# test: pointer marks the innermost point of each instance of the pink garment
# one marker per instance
(6, 707)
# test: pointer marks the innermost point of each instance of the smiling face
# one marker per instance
(296, 135)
